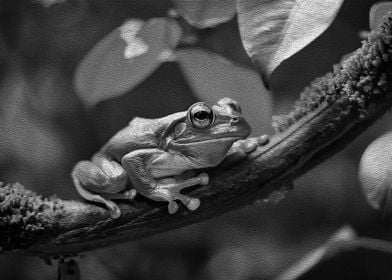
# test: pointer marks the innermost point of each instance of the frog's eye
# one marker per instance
(200, 115)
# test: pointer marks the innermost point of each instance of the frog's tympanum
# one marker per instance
(153, 154)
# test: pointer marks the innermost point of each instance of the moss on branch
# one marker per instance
(361, 77)
(25, 216)
(331, 112)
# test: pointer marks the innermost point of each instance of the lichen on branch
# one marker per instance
(361, 76)
(331, 112)
(25, 216)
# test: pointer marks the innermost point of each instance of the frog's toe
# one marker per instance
(263, 139)
(189, 202)
(250, 145)
(204, 178)
(130, 194)
(114, 211)
(172, 207)
(193, 204)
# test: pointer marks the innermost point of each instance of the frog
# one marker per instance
(152, 155)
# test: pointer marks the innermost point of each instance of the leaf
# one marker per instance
(124, 58)
(377, 12)
(206, 13)
(274, 30)
(213, 77)
(375, 173)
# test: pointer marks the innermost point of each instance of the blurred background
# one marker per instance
(45, 130)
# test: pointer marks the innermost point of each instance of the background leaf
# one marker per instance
(377, 12)
(213, 77)
(124, 58)
(274, 30)
(375, 173)
(206, 13)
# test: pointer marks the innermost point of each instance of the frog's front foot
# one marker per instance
(250, 144)
(169, 190)
(242, 148)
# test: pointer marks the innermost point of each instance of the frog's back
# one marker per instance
(141, 133)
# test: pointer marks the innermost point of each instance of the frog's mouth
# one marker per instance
(221, 139)
(216, 146)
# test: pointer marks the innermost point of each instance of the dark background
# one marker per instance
(45, 130)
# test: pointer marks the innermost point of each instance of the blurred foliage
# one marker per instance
(125, 57)
(205, 13)
(45, 130)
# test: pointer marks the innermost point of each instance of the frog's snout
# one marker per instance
(232, 104)
(238, 123)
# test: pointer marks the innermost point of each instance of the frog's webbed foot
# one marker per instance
(169, 189)
(249, 145)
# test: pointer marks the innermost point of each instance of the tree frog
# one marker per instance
(153, 155)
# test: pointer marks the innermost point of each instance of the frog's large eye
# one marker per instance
(200, 115)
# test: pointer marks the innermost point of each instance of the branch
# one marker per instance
(331, 112)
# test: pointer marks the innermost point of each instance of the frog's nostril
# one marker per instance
(235, 119)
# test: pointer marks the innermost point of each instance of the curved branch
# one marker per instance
(331, 112)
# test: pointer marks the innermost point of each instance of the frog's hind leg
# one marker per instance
(128, 195)
(115, 212)
(100, 180)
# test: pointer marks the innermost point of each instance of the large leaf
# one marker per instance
(124, 58)
(377, 12)
(274, 30)
(206, 13)
(212, 77)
